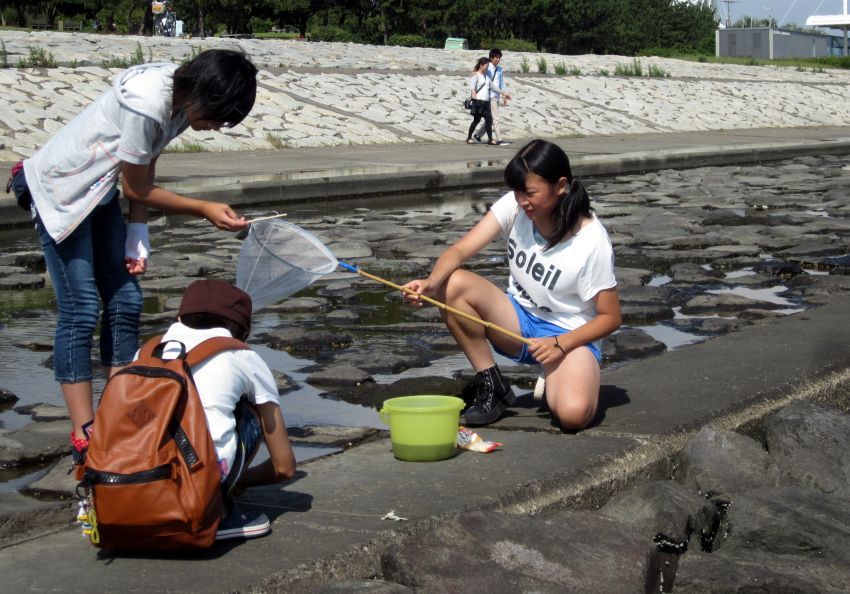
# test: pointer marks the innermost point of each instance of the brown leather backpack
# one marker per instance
(151, 466)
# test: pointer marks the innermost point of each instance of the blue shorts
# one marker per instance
(530, 326)
(249, 433)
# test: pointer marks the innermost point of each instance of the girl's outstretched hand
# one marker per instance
(422, 286)
(223, 217)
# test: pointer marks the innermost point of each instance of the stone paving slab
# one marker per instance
(327, 521)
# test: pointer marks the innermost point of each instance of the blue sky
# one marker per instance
(784, 11)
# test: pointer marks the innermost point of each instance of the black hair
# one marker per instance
(218, 85)
(480, 62)
(205, 320)
(551, 163)
(495, 53)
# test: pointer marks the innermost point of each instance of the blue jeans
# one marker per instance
(87, 268)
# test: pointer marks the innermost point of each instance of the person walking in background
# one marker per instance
(496, 84)
(480, 100)
(562, 292)
(93, 256)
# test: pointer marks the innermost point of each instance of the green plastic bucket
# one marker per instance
(423, 428)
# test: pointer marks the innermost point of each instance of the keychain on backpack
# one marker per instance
(87, 518)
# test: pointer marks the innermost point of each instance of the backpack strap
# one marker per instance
(149, 346)
(213, 346)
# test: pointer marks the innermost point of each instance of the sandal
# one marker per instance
(470, 141)
(491, 143)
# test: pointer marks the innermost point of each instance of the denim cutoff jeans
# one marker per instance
(88, 268)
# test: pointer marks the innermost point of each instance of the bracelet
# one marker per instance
(560, 348)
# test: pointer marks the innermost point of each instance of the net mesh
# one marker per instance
(278, 259)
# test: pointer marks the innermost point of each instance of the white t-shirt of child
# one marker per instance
(557, 285)
(221, 381)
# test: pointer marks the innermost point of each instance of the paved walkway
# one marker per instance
(328, 521)
(252, 177)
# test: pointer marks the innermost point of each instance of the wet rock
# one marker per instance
(21, 281)
(374, 395)
(23, 516)
(390, 357)
(632, 277)
(712, 302)
(667, 512)
(730, 573)
(363, 587)
(348, 250)
(7, 398)
(342, 317)
(339, 375)
(630, 343)
(688, 272)
(56, 484)
(32, 261)
(640, 313)
(788, 521)
(299, 305)
(165, 285)
(34, 443)
(721, 463)
(809, 445)
(779, 268)
(709, 326)
(759, 314)
(331, 436)
(37, 346)
(40, 411)
(301, 340)
(506, 553)
(283, 382)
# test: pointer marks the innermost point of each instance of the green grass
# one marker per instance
(657, 71)
(4, 55)
(275, 140)
(560, 68)
(541, 65)
(524, 66)
(633, 69)
(270, 35)
(38, 58)
(186, 147)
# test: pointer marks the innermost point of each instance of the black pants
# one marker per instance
(481, 110)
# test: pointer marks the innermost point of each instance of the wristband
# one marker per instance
(137, 245)
(560, 348)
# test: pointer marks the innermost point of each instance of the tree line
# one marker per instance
(560, 26)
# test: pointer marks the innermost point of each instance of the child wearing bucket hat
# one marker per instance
(239, 396)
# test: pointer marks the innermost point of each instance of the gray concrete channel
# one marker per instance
(328, 523)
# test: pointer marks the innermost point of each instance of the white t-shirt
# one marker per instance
(479, 82)
(221, 381)
(557, 285)
(78, 167)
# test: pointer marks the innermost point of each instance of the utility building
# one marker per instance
(771, 44)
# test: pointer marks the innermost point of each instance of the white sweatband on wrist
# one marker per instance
(137, 245)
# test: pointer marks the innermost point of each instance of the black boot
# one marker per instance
(493, 395)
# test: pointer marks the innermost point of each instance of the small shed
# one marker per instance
(772, 44)
(456, 43)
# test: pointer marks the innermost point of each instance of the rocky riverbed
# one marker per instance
(699, 253)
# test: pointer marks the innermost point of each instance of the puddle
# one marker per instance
(659, 280)
(671, 337)
(740, 273)
(769, 294)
